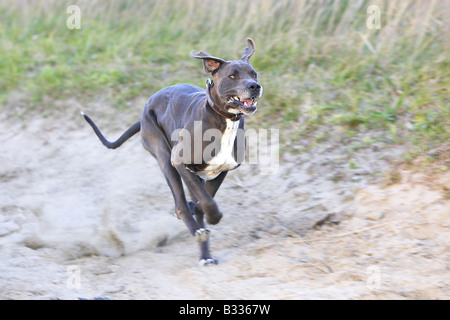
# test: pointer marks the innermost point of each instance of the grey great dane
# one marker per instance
(175, 117)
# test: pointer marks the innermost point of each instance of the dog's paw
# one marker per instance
(208, 262)
(214, 218)
(201, 235)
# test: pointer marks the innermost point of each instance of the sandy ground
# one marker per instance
(80, 221)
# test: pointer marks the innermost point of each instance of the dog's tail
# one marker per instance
(135, 128)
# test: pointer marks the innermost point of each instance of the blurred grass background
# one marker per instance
(325, 74)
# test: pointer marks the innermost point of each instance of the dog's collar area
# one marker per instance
(221, 112)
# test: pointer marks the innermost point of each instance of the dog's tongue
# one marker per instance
(248, 107)
(248, 102)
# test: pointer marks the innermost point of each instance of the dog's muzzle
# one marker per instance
(246, 102)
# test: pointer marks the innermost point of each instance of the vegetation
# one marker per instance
(323, 70)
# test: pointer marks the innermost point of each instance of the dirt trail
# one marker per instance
(80, 221)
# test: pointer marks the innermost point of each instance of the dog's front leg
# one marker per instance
(205, 255)
(211, 187)
(206, 202)
(206, 205)
(182, 208)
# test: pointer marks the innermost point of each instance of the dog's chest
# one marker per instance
(224, 160)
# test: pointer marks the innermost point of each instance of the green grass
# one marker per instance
(322, 69)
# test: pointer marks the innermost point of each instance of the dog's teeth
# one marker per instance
(255, 103)
(236, 98)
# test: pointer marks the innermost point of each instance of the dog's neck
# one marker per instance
(220, 110)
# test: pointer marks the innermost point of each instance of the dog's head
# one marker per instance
(236, 86)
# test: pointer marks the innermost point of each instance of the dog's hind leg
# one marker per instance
(154, 141)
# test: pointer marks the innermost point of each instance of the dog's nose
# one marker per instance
(254, 86)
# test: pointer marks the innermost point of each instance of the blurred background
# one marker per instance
(321, 64)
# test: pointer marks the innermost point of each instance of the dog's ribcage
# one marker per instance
(224, 160)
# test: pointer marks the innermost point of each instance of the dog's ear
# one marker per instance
(210, 63)
(249, 50)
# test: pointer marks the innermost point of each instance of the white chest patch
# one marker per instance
(224, 160)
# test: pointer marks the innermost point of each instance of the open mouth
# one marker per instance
(246, 106)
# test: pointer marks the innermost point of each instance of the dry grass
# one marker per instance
(319, 63)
